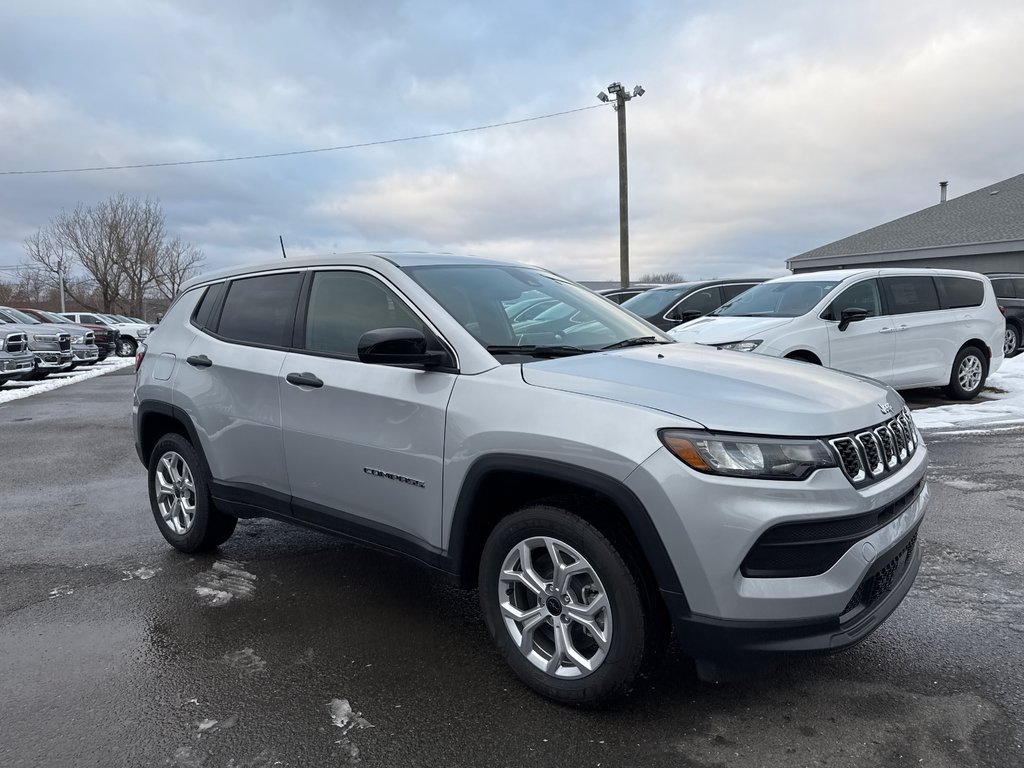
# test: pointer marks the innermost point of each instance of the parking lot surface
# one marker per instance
(288, 647)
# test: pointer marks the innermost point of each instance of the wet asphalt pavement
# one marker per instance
(117, 651)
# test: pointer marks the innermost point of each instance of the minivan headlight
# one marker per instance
(767, 458)
(741, 346)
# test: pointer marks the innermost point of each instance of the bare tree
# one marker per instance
(122, 248)
(661, 277)
(178, 261)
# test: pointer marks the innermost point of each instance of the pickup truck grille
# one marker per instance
(90, 338)
(64, 341)
(867, 457)
(15, 342)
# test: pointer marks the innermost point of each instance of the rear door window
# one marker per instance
(959, 292)
(910, 293)
(261, 310)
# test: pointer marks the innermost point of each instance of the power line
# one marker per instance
(298, 151)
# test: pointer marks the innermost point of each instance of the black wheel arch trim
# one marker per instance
(634, 512)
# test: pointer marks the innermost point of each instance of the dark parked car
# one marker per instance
(622, 295)
(671, 305)
(1009, 288)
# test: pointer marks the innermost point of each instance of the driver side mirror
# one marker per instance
(851, 315)
(398, 346)
(684, 315)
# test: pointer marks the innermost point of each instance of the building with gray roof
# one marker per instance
(982, 231)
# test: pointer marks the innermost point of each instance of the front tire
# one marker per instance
(566, 612)
(967, 377)
(179, 495)
(126, 347)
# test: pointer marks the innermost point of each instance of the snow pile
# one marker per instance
(16, 390)
(1006, 409)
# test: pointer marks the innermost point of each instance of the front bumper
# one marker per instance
(881, 591)
(85, 354)
(15, 367)
(53, 361)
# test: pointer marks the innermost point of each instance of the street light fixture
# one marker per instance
(621, 97)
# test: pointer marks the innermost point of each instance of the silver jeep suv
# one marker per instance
(598, 483)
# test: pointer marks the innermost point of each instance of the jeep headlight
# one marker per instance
(48, 337)
(766, 458)
(741, 346)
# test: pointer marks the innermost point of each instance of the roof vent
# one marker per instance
(994, 192)
(942, 191)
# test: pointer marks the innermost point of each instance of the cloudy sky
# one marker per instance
(767, 129)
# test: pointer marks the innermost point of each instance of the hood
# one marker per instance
(723, 391)
(722, 330)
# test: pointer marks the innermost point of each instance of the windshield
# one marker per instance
(782, 299)
(489, 301)
(20, 317)
(655, 301)
(53, 318)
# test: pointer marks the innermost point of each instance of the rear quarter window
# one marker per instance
(958, 292)
(260, 310)
(1003, 286)
(203, 315)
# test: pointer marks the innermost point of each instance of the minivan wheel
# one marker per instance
(126, 347)
(564, 609)
(970, 368)
(179, 495)
(1011, 341)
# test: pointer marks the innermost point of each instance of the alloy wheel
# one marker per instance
(175, 492)
(555, 608)
(970, 373)
(1010, 341)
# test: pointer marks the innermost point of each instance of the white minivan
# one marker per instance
(905, 327)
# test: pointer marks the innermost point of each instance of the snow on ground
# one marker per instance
(16, 390)
(1006, 409)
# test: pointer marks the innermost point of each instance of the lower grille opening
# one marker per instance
(880, 583)
(809, 549)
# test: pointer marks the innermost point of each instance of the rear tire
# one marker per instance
(581, 638)
(1011, 341)
(967, 377)
(179, 496)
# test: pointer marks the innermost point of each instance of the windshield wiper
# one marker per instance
(635, 342)
(535, 350)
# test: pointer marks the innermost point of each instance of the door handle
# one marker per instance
(903, 328)
(306, 379)
(199, 361)
(887, 330)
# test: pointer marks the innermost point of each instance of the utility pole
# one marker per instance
(621, 97)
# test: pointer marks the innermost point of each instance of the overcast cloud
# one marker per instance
(767, 129)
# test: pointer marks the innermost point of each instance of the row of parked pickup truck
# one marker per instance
(35, 343)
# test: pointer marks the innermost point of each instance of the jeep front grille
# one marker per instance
(867, 457)
(16, 342)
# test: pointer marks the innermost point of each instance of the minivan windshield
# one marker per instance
(487, 300)
(781, 299)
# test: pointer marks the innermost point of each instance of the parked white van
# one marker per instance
(905, 327)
